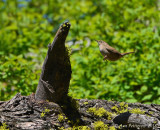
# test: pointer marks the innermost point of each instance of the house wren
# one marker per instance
(109, 52)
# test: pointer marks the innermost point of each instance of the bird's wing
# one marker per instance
(112, 50)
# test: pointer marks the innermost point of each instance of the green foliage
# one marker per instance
(26, 27)
(3, 127)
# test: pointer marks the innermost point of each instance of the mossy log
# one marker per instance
(51, 108)
(25, 113)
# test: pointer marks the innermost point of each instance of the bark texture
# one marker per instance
(26, 113)
(56, 71)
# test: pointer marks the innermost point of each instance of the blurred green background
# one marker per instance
(28, 26)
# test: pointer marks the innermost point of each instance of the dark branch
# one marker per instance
(56, 71)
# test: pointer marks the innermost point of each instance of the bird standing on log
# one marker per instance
(109, 52)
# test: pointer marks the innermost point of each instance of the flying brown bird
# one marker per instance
(109, 52)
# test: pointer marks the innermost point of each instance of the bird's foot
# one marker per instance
(105, 58)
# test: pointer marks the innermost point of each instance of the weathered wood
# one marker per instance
(24, 112)
(56, 71)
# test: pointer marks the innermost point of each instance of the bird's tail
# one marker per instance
(123, 54)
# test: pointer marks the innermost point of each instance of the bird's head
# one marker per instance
(99, 42)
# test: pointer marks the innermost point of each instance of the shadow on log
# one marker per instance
(56, 71)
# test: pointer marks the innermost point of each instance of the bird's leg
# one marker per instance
(105, 57)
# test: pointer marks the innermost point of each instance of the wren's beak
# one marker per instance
(97, 41)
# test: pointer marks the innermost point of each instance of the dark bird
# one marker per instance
(109, 52)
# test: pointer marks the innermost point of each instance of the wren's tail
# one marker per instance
(123, 54)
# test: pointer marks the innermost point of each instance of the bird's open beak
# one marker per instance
(97, 42)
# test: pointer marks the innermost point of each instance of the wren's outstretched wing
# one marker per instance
(113, 54)
(112, 50)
